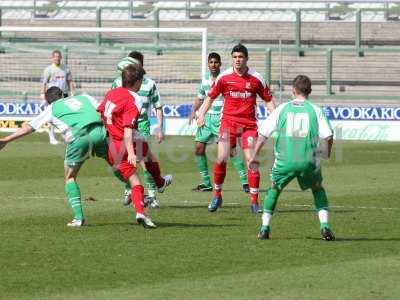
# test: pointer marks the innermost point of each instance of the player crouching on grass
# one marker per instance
(120, 111)
(303, 131)
(83, 131)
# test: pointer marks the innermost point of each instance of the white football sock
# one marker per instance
(323, 216)
(266, 218)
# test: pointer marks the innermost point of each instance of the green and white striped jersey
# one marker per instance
(300, 125)
(202, 93)
(70, 115)
(148, 94)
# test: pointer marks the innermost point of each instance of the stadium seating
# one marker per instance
(260, 27)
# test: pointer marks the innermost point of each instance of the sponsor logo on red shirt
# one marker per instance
(240, 95)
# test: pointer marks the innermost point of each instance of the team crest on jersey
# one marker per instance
(248, 85)
(250, 141)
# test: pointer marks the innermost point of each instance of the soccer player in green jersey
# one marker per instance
(83, 131)
(149, 96)
(210, 130)
(304, 135)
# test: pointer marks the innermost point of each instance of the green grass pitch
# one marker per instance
(194, 254)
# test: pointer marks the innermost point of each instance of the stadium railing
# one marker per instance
(326, 77)
(206, 8)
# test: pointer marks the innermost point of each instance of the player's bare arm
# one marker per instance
(160, 122)
(203, 110)
(128, 139)
(195, 107)
(330, 145)
(69, 84)
(71, 87)
(16, 135)
(257, 148)
(326, 147)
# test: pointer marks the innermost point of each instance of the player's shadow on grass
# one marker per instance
(122, 224)
(309, 210)
(356, 239)
(191, 225)
(204, 206)
(241, 190)
(164, 225)
(264, 190)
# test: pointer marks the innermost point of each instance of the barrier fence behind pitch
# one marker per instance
(377, 123)
(177, 65)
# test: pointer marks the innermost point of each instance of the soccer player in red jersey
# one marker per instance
(239, 86)
(120, 111)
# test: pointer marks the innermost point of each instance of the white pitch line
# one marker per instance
(225, 203)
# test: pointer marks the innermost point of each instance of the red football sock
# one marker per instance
(153, 168)
(219, 177)
(137, 195)
(254, 184)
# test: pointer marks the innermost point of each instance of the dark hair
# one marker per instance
(131, 74)
(53, 94)
(214, 55)
(56, 51)
(240, 48)
(302, 84)
(137, 55)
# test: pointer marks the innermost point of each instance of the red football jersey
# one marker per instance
(119, 110)
(240, 94)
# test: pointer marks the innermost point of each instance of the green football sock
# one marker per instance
(74, 198)
(201, 161)
(321, 205)
(240, 168)
(270, 200)
(149, 183)
(265, 228)
(324, 225)
(320, 199)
